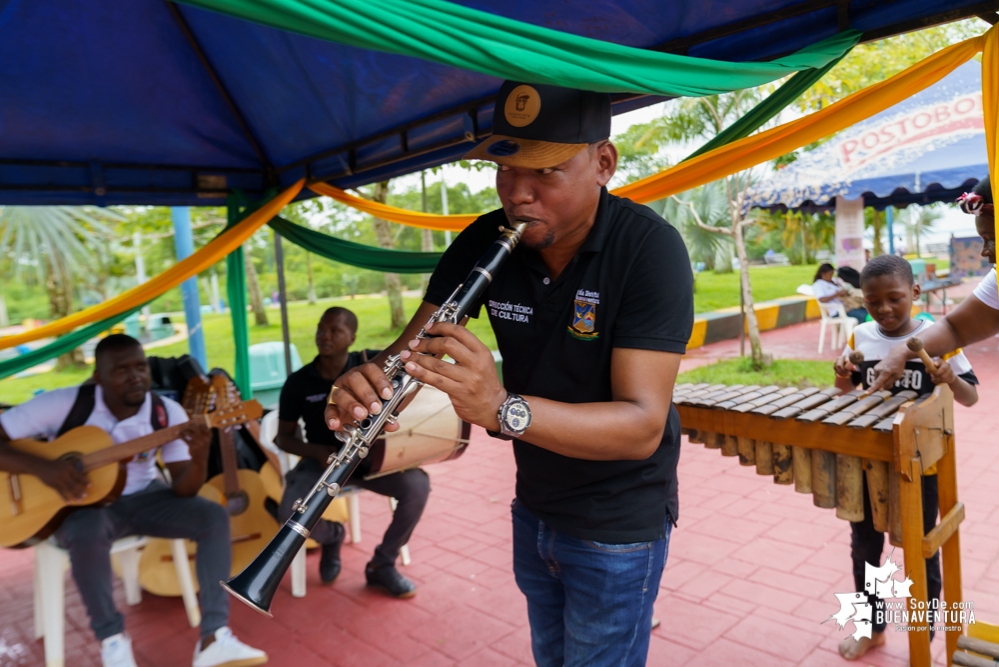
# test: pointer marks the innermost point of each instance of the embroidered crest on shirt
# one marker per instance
(584, 315)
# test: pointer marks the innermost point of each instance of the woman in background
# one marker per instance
(830, 293)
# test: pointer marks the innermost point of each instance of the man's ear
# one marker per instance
(916, 291)
(606, 163)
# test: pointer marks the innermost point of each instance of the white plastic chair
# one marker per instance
(841, 325)
(286, 461)
(51, 563)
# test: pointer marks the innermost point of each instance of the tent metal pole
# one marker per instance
(283, 299)
(183, 243)
(217, 82)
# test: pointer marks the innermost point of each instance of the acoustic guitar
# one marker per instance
(241, 491)
(34, 510)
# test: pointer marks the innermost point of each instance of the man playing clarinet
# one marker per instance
(591, 316)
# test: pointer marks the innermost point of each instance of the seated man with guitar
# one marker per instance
(304, 396)
(119, 402)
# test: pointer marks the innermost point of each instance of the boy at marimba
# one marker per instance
(889, 292)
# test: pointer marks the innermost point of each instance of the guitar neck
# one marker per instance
(230, 463)
(127, 450)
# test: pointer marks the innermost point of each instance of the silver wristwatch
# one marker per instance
(514, 416)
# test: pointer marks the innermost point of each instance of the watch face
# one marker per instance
(517, 416)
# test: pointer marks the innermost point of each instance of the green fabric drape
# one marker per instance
(355, 254)
(472, 39)
(236, 289)
(771, 106)
(60, 345)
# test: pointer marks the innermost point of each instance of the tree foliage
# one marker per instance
(874, 62)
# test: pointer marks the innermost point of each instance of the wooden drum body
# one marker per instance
(429, 432)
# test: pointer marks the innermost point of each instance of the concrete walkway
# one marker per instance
(750, 579)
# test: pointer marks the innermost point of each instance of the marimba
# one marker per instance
(822, 441)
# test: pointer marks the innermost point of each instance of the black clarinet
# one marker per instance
(255, 585)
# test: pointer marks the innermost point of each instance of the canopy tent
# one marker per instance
(150, 102)
(929, 148)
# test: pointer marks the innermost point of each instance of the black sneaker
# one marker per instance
(329, 561)
(389, 579)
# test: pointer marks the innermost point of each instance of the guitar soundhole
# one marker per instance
(237, 503)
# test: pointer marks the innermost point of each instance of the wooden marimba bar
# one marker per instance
(823, 441)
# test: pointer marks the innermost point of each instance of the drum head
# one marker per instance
(429, 431)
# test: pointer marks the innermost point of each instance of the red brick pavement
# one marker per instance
(750, 579)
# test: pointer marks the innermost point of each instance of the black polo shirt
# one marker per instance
(304, 395)
(629, 286)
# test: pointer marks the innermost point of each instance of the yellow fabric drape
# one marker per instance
(214, 251)
(783, 139)
(990, 103)
(767, 145)
(454, 223)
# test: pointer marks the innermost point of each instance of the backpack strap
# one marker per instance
(82, 407)
(158, 417)
(86, 399)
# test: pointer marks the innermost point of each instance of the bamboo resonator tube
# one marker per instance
(835, 481)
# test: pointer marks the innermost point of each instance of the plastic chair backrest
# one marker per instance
(268, 431)
(829, 312)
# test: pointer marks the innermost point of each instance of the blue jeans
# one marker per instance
(588, 603)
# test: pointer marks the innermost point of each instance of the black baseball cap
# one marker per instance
(537, 126)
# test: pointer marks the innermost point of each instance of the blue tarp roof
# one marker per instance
(149, 102)
(931, 147)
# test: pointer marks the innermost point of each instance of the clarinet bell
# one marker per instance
(255, 586)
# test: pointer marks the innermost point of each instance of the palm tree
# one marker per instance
(56, 241)
(919, 221)
(690, 120)
(709, 204)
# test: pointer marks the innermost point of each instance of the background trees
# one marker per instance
(58, 245)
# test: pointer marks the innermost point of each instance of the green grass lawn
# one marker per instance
(17, 390)
(374, 333)
(712, 291)
(783, 373)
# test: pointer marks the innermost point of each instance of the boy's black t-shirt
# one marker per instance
(867, 338)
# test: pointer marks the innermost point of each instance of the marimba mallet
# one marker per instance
(916, 345)
(856, 357)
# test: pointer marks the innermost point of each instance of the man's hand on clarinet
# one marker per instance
(355, 395)
(471, 382)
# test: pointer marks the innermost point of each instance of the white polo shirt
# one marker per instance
(823, 288)
(43, 415)
(986, 291)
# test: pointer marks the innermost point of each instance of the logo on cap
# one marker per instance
(503, 148)
(522, 106)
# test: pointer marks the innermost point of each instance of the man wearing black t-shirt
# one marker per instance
(304, 397)
(592, 313)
